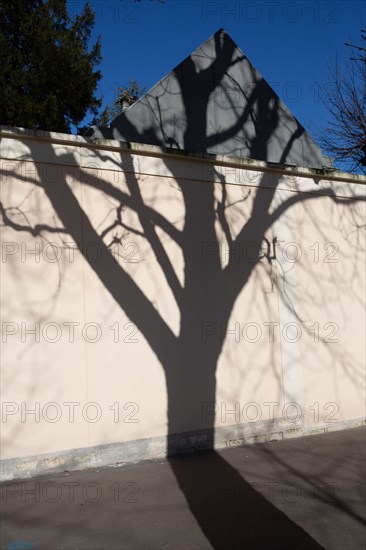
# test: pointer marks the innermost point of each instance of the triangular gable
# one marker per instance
(216, 102)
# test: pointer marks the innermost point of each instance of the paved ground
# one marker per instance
(299, 493)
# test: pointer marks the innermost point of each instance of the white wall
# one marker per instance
(296, 330)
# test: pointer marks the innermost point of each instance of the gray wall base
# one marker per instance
(115, 454)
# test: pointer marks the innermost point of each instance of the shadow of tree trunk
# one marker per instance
(230, 512)
(207, 296)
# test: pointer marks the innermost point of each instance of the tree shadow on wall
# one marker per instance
(205, 298)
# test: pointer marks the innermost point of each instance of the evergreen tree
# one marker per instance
(48, 78)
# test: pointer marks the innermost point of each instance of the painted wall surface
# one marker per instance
(86, 358)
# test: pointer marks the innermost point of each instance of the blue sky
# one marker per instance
(291, 43)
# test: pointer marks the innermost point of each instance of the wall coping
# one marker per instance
(329, 174)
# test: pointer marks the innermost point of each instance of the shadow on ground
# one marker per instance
(299, 493)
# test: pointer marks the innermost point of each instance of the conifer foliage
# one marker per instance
(48, 74)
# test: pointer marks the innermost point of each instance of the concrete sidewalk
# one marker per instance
(299, 493)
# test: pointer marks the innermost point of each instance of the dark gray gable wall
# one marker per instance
(216, 102)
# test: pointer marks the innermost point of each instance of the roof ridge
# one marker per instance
(216, 101)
